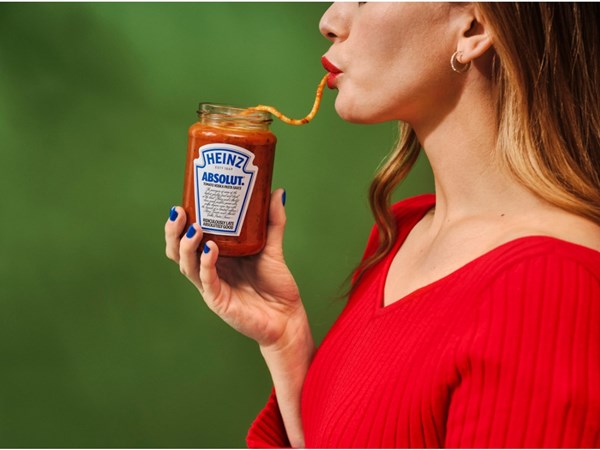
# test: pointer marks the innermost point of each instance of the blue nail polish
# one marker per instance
(206, 248)
(173, 214)
(190, 232)
(283, 198)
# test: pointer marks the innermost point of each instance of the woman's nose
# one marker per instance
(334, 23)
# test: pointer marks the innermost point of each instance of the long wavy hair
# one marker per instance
(547, 77)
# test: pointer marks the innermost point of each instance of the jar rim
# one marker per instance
(217, 110)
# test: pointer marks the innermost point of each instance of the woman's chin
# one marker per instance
(355, 114)
(351, 113)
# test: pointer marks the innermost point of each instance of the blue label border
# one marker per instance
(197, 193)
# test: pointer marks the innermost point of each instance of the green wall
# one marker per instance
(102, 342)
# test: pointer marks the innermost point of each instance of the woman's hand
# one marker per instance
(256, 295)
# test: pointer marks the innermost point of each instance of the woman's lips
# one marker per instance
(331, 80)
(333, 72)
(329, 67)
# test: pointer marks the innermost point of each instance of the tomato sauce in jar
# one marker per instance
(228, 172)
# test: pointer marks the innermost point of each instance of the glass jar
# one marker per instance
(228, 172)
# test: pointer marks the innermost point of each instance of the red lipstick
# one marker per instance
(333, 72)
(329, 67)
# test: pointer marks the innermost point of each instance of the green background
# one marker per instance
(103, 343)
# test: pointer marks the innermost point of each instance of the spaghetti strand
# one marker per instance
(304, 120)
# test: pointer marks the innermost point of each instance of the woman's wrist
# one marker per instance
(295, 340)
(288, 361)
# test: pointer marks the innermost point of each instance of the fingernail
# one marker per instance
(283, 198)
(190, 232)
(173, 214)
(206, 248)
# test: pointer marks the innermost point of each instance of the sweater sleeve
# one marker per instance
(268, 430)
(530, 371)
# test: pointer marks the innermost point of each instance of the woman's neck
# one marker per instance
(468, 180)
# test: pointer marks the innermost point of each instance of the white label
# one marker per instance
(224, 177)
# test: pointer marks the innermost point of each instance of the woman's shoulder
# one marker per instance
(412, 204)
(404, 210)
(542, 264)
(555, 243)
(409, 207)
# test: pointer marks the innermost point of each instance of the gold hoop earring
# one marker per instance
(458, 66)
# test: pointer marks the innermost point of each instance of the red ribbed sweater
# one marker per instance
(503, 352)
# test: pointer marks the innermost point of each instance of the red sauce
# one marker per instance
(261, 143)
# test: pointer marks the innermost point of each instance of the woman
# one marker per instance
(473, 316)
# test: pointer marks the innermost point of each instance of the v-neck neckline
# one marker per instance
(409, 298)
(387, 262)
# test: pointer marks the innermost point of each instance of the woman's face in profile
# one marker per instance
(394, 58)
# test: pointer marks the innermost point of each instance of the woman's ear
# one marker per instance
(475, 38)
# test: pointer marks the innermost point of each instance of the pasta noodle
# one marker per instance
(304, 120)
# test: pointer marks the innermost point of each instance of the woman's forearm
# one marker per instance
(288, 361)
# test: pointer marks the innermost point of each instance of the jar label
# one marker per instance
(224, 177)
